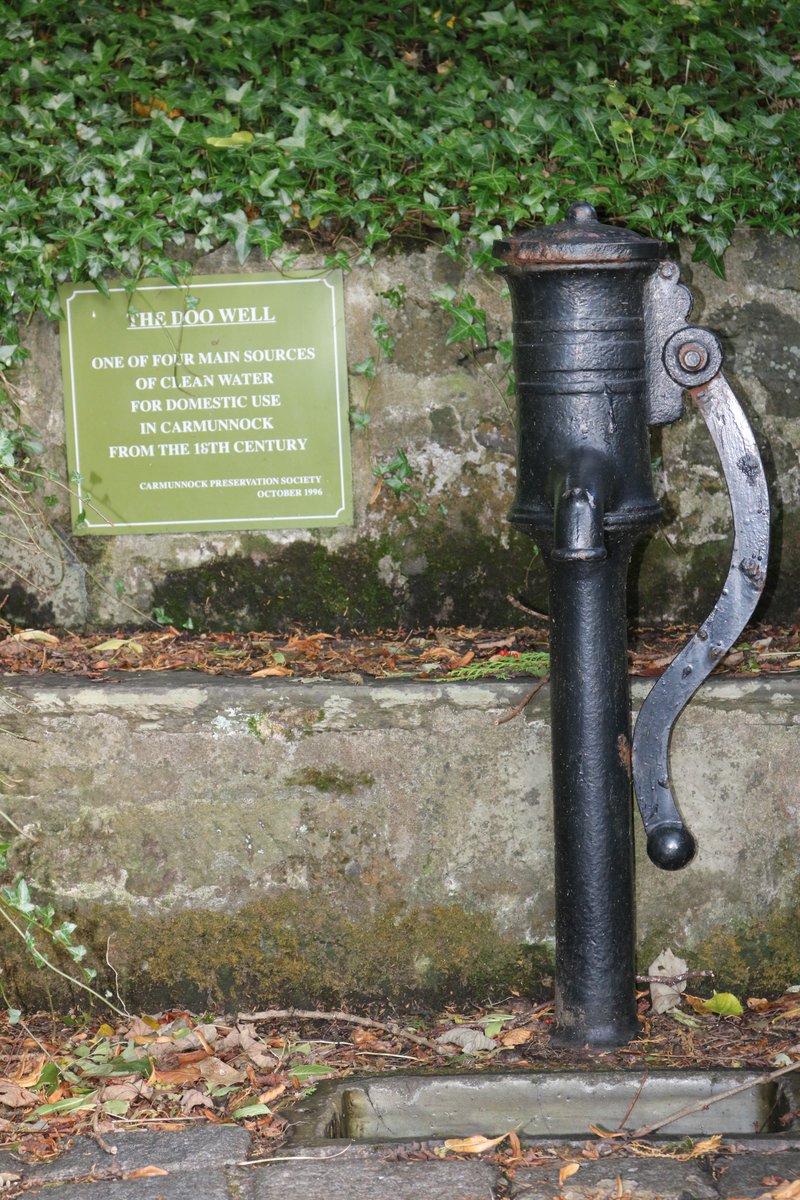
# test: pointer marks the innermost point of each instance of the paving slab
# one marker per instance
(366, 1180)
(644, 1180)
(745, 1175)
(179, 1185)
(205, 1148)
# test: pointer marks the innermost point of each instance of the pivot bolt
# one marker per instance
(692, 356)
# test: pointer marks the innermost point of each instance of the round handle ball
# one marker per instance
(671, 847)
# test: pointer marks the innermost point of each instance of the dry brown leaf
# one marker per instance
(145, 1173)
(32, 1076)
(435, 653)
(34, 635)
(515, 1037)
(788, 1190)
(14, 1096)
(476, 1144)
(193, 1056)
(567, 1171)
(219, 1074)
(272, 1094)
(255, 1049)
(265, 671)
(187, 1074)
(130, 1090)
(515, 1145)
(757, 1004)
(195, 1099)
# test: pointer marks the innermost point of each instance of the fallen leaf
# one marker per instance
(32, 1076)
(195, 1099)
(187, 1074)
(139, 1028)
(376, 491)
(788, 1190)
(567, 1171)
(193, 1056)
(476, 1144)
(257, 1051)
(516, 1037)
(219, 1074)
(14, 1096)
(265, 671)
(757, 1004)
(119, 644)
(470, 1040)
(272, 1094)
(8, 1179)
(129, 1090)
(724, 1004)
(666, 996)
(685, 1019)
(34, 635)
(145, 1173)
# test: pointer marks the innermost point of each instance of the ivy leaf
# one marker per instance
(242, 137)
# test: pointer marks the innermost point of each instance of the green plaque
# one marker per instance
(219, 405)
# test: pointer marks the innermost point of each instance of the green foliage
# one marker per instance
(127, 129)
(35, 924)
(505, 665)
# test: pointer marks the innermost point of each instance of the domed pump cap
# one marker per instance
(581, 240)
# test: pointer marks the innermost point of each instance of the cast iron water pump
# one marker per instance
(602, 350)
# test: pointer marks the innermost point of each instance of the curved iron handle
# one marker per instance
(670, 845)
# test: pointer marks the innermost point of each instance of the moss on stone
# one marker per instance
(301, 583)
(760, 956)
(335, 779)
(291, 949)
(286, 722)
(467, 576)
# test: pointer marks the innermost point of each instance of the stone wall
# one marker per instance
(258, 841)
(450, 556)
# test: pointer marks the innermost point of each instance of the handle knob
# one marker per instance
(670, 847)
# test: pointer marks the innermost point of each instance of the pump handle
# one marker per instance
(692, 359)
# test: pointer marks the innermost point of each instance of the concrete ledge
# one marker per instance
(335, 825)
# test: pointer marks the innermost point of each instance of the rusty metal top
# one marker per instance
(580, 240)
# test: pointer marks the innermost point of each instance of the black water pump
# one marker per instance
(602, 351)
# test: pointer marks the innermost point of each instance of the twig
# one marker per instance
(700, 1105)
(4, 815)
(282, 1014)
(670, 979)
(524, 608)
(252, 1162)
(97, 1135)
(518, 708)
(632, 1104)
(116, 975)
(41, 1045)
